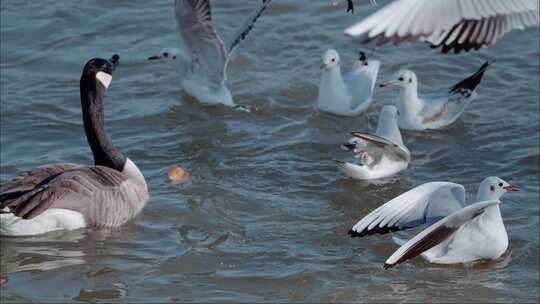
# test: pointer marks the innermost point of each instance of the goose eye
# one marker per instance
(400, 78)
(166, 54)
(492, 188)
(500, 184)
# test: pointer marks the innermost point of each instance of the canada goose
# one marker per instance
(69, 196)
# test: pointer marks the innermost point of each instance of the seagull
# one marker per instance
(436, 110)
(70, 196)
(351, 94)
(447, 24)
(457, 233)
(381, 154)
(204, 67)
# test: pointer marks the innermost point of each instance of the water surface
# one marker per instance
(266, 214)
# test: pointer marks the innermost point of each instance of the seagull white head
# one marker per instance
(168, 55)
(330, 60)
(403, 79)
(492, 188)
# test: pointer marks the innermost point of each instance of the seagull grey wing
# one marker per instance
(437, 233)
(246, 26)
(436, 108)
(390, 148)
(426, 203)
(27, 181)
(98, 193)
(463, 23)
(208, 53)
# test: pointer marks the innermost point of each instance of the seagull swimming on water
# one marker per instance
(347, 95)
(457, 233)
(436, 110)
(449, 24)
(381, 154)
(204, 68)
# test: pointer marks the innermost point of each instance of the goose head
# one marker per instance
(99, 71)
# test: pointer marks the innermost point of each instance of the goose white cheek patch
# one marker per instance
(104, 78)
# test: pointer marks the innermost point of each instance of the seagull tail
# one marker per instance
(470, 83)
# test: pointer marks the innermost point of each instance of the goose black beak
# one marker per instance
(114, 61)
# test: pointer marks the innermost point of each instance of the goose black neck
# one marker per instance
(105, 154)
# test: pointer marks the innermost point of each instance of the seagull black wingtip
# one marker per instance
(470, 83)
(387, 266)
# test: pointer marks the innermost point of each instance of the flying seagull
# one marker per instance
(458, 25)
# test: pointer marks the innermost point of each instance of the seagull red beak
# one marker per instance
(511, 188)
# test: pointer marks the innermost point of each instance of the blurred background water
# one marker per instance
(266, 214)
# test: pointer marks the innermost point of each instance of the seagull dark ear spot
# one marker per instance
(410, 80)
(174, 57)
(492, 188)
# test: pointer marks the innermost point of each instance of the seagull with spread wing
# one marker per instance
(204, 67)
(457, 233)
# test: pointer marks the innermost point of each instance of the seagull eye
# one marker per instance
(400, 78)
(500, 184)
(492, 188)
(365, 63)
(333, 59)
(166, 54)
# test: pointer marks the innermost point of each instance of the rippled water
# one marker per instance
(266, 214)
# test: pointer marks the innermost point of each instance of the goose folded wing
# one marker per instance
(29, 180)
(208, 53)
(75, 190)
(437, 233)
(424, 204)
